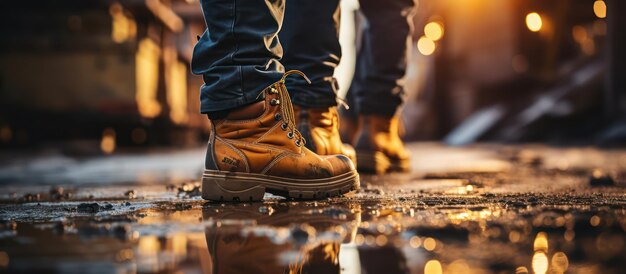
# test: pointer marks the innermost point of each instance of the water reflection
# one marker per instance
(280, 238)
(333, 236)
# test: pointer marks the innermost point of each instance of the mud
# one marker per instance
(484, 209)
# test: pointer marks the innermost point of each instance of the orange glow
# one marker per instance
(434, 31)
(147, 73)
(107, 144)
(458, 267)
(430, 244)
(123, 27)
(579, 33)
(560, 263)
(541, 242)
(433, 267)
(599, 8)
(534, 22)
(540, 263)
(176, 80)
(426, 46)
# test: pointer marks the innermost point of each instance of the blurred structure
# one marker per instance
(118, 71)
(85, 69)
(515, 70)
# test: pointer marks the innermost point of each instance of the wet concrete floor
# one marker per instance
(480, 209)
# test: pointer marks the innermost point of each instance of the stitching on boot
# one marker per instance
(269, 147)
(273, 162)
(271, 130)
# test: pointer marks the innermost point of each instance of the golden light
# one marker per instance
(434, 31)
(433, 267)
(415, 242)
(599, 8)
(147, 77)
(540, 263)
(426, 46)
(148, 246)
(594, 221)
(123, 27)
(381, 240)
(176, 86)
(430, 244)
(560, 263)
(541, 242)
(514, 236)
(534, 22)
(458, 267)
(107, 144)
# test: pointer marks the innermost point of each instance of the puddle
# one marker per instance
(351, 235)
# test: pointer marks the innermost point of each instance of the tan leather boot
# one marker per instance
(320, 127)
(257, 149)
(379, 147)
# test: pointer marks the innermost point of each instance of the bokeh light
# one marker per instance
(534, 22)
(433, 267)
(426, 46)
(434, 31)
(599, 8)
(540, 263)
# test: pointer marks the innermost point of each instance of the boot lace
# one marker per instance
(286, 109)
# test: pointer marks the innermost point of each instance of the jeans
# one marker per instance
(240, 53)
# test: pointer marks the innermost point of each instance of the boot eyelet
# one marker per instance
(290, 135)
(273, 90)
(298, 143)
(278, 117)
(275, 102)
(283, 126)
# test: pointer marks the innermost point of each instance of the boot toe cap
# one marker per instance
(341, 164)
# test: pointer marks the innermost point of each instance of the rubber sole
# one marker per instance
(378, 163)
(246, 187)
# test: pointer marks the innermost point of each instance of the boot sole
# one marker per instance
(242, 187)
(378, 163)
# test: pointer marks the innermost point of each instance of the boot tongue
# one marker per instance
(251, 111)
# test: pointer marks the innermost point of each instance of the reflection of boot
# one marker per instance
(379, 147)
(320, 127)
(252, 239)
(257, 149)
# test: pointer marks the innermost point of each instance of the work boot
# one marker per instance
(379, 148)
(257, 148)
(320, 128)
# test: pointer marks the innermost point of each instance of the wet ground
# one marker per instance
(480, 209)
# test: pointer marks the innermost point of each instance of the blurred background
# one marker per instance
(100, 75)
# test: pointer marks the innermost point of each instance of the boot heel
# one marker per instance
(231, 190)
(372, 162)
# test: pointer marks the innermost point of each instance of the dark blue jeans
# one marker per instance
(240, 54)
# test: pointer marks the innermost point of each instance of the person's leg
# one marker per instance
(377, 86)
(238, 53)
(381, 61)
(310, 39)
(254, 146)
